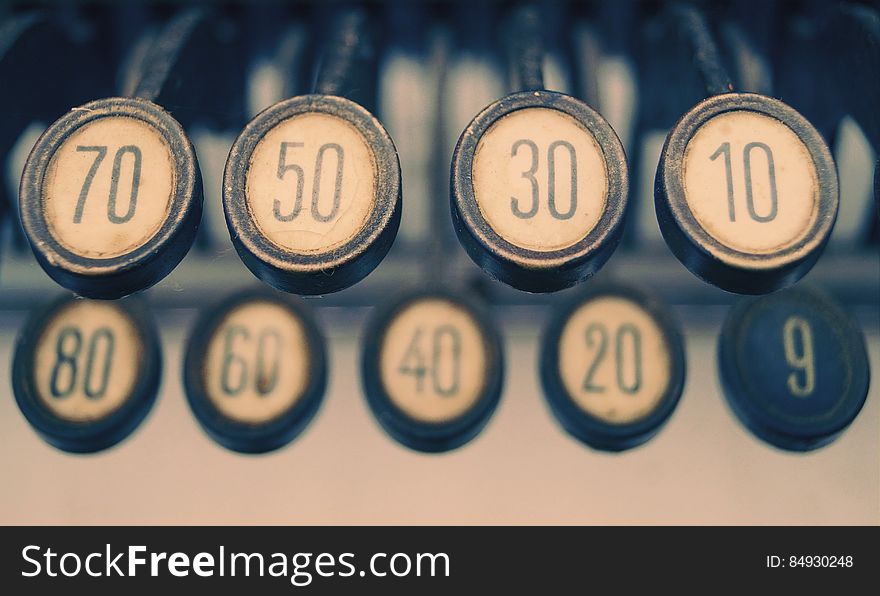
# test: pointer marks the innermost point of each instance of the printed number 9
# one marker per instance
(796, 333)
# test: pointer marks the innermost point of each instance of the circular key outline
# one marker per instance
(431, 437)
(278, 432)
(345, 265)
(706, 257)
(92, 436)
(790, 434)
(522, 268)
(590, 430)
(119, 276)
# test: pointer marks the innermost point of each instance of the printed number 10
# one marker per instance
(724, 149)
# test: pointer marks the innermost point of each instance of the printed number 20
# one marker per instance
(597, 335)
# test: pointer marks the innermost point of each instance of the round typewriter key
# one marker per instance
(746, 193)
(312, 194)
(612, 366)
(86, 372)
(255, 371)
(432, 370)
(111, 197)
(793, 367)
(539, 190)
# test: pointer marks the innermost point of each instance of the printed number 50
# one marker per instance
(284, 167)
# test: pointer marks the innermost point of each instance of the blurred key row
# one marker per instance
(792, 365)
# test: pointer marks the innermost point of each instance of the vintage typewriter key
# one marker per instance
(793, 367)
(432, 369)
(111, 195)
(86, 372)
(312, 191)
(255, 370)
(55, 46)
(746, 191)
(612, 366)
(539, 179)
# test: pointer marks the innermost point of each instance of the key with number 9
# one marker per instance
(794, 368)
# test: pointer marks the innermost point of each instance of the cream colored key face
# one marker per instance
(257, 363)
(108, 187)
(433, 361)
(614, 360)
(311, 183)
(87, 361)
(540, 179)
(750, 182)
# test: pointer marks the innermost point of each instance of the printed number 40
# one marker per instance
(413, 362)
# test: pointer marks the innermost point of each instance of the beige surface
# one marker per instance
(88, 317)
(266, 381)
(498, 177)
(441, 340)
(305, 233)
(705, 182)
(583, 347)
(96, 236)
(703, 467)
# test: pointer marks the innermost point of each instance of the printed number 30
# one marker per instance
(551, 179)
